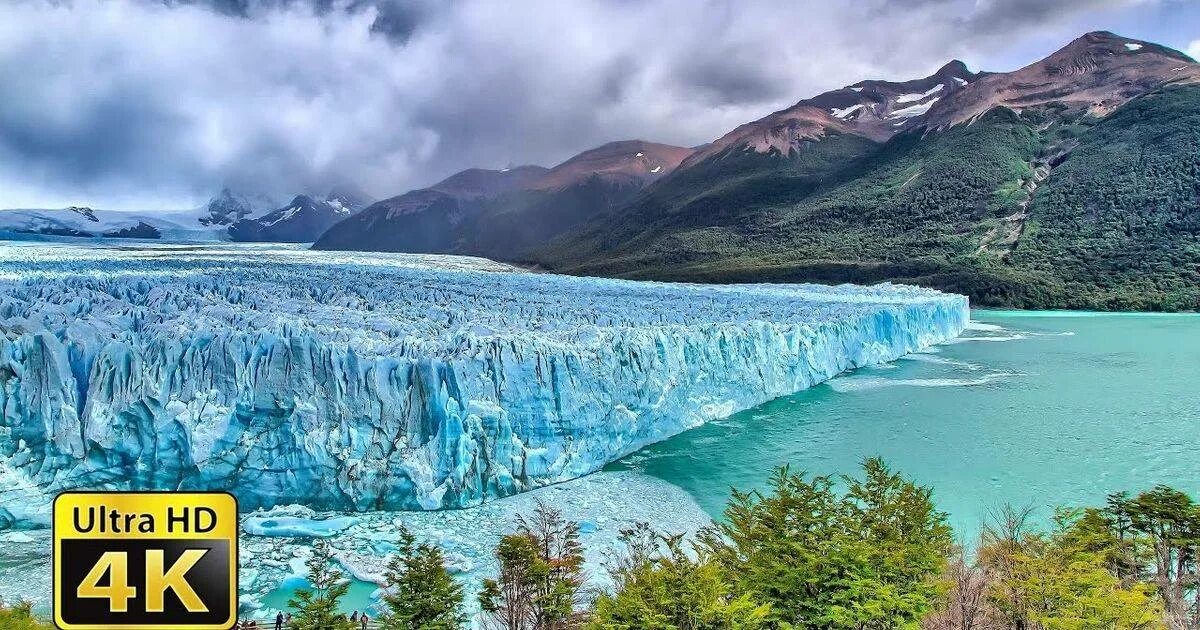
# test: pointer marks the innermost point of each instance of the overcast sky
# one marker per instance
(143, 104)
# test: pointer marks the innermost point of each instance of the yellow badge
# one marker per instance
(145, 560)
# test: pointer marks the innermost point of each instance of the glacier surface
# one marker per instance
(380, 382)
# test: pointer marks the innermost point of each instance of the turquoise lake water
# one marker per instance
(1039, 409)
(357, 599)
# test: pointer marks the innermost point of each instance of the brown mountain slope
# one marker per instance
(626, 162)
(1098, 72)
(482, 182)
(502, 213)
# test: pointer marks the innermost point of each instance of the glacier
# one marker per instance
(366, 382)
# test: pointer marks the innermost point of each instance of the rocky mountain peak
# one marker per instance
(302, 220)
(349, 197)
(483, 182)
(874, 108)
(229, 207)
(954, 68)
(1099, 72)
(1087, 53)
(632, 161)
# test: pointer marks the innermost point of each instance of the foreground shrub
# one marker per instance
(661, 588)
(868, 557)
(20, 617)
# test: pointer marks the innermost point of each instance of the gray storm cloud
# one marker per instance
(143, 104)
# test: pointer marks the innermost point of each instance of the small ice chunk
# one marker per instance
(19, 538)
(1132, 47)
(294, 527)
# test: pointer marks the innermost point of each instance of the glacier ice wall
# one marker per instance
(374, 382)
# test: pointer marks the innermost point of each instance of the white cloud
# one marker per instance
(1193, 49)
(182, 99)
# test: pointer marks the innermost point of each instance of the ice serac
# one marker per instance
(391, 381)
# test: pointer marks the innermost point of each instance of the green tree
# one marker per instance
(20, 617)
(1166, 523)
(661, 588)
(541, 575)
(508, 600)
(1098, 530)
(316, 607)
(422, 595)
(869, 558)
(1062, 580)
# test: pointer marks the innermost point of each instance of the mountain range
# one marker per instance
(1073, 182)
(506, 213)
(229, 215)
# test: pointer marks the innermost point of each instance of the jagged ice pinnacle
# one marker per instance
(364, 382)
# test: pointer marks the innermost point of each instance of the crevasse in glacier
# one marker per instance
(368, 382)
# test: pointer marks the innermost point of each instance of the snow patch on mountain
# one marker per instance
(911, 98)
(283, 216)
(845, 112)
(913, 110)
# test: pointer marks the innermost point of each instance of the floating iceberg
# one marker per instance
(380, 382)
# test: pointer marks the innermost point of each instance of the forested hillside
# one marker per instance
(1051, 206)
(1117, 225)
